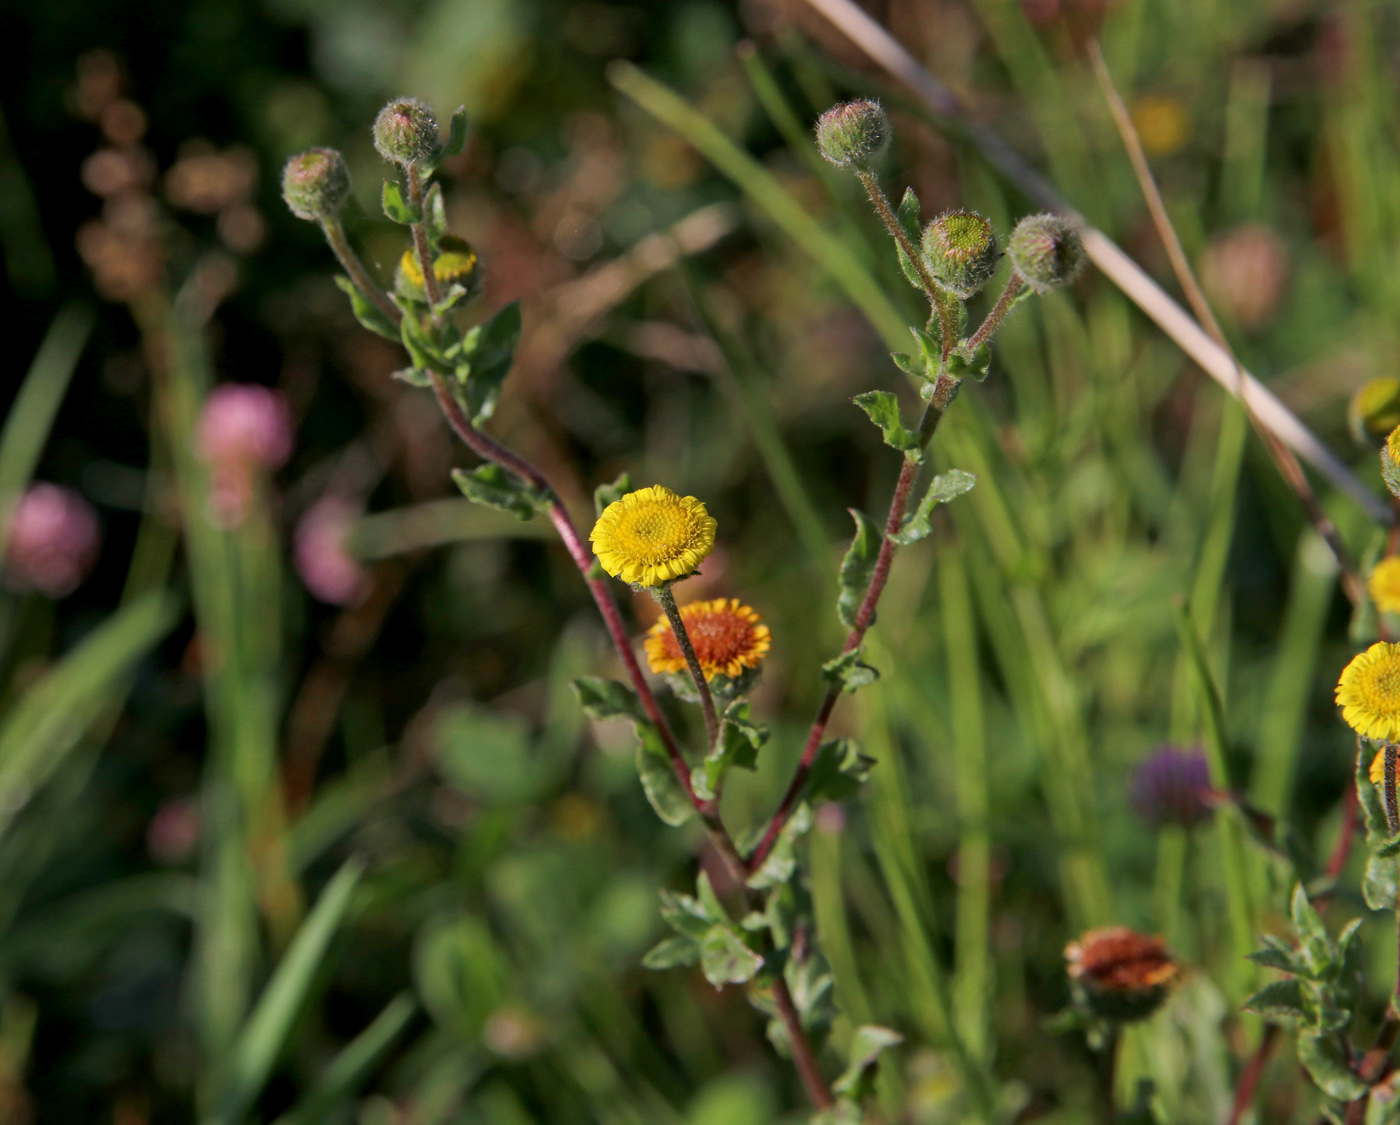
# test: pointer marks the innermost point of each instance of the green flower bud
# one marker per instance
(960, 250)
(315, 184)
(456, 264)
(853, 135)
(1374, 409)
(406, 131)
(1046, 251)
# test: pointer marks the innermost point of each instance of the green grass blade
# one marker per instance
(51, 717)
(760, 185)
(32, 413)
(349, 1070)
(268, 1026)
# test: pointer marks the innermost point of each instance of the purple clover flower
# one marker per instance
(323, 560)
(243, 430)
(1172, 786)
(54, 540)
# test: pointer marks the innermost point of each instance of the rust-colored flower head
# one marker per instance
(1119, 974)
(729, 639)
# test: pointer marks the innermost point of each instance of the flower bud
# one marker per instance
(406, 131)
(1046, 251)
(1118, 974)
(54, 541)
(456, 264)
(1374, 409)
(1172, 786)
(315, 184)
(960, 250)
(853, 135)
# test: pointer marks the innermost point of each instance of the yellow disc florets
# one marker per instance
(1384, 585)
(653, 536)
(1369, 692)
(456, 264)
(727, 637)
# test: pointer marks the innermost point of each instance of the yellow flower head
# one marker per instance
(726, 636)
(1377, 773)
(653, 536)
(1384, 585)
(456, 264)
(1392, 445)
(1369, 692)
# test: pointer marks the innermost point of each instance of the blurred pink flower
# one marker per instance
(323, 560)
(244, 428)
(1246, 271)
(174, 830)
(54, 539)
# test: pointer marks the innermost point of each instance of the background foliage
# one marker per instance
(453, 857)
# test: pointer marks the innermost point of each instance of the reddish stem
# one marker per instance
(1249, 1080)
(802, 1057)
(864, 617)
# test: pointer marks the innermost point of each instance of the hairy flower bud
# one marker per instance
(405, 131)
(1119, 974)
(456, 264)
(1374, 410)
(854, 134)
(315, 184)
(960, 250)
(1046, 251)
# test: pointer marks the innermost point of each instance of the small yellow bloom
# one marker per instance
(726, 636)
(1378, 768)
(456, 264)
(1162, 124)
(1369, 692)
(1384, 584)
(653, 536)
(1392, 445)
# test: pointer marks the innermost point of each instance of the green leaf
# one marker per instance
(857, 567)
(739, 745)
(943, 488)
(781, 861)
(340, 1079)
(491, 485)
(1280, 1000)
(908, 216)
(844, 1112)
(366, 312)
(608, 699)
(909, 364)
(867, 1044)
(725, 959)
(434, 213)
(606, 494)
(1277, 954)
(1329, 1067)
(671, 952)
(418, 340)
(663, 789)
(1381, 882)
(413, 376)
(686, 915)
(848, 672)
(396, 208)
(265, 1033)
(490, 351)
(883, 408)
(963, 363)
(456, 135)
(838, 771)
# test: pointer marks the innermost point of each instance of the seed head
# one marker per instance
(1119, 974)
(1046, 251)
(406, 131)
(315, 184)
(960, 250)
(854, 134)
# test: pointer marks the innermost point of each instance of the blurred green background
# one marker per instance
(193, 748)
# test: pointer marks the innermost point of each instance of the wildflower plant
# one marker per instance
(711, 652)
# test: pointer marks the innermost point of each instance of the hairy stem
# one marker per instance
(988, 327)
(802, 1057)
(692, 662)
(937, 298)
(420, 241)
(350, 262)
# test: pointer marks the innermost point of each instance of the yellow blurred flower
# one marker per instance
(1392, 445)
(1368, 692)
(1384, 585)
(653, 536)
(727, 638)
(1374, 409)
(1162, 125)
(456, 264)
